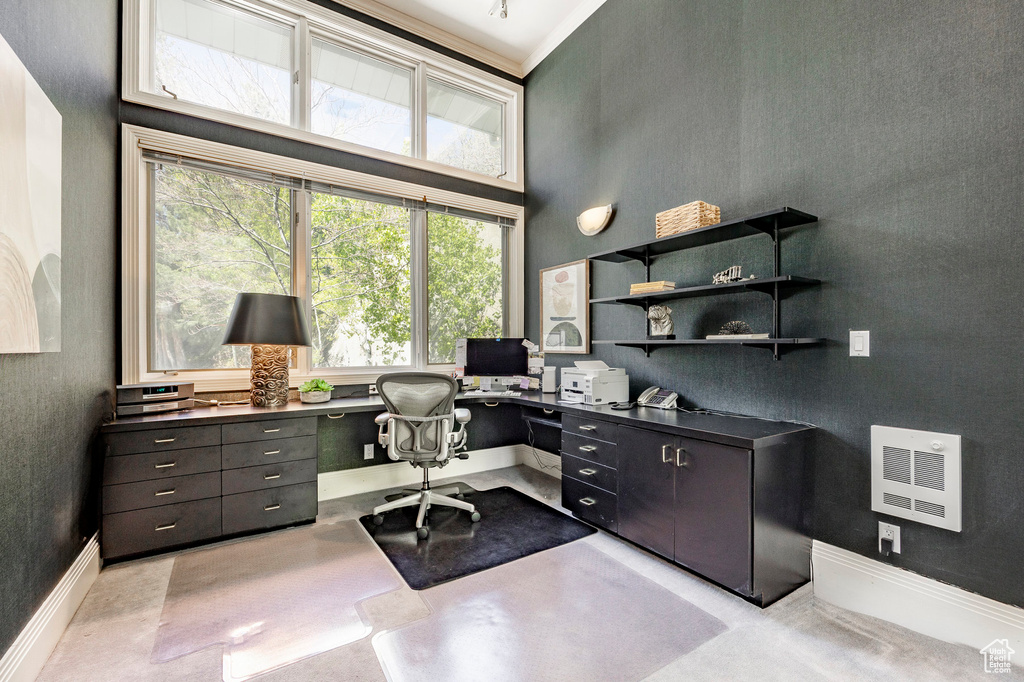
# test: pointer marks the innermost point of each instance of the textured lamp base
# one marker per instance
(269, 376)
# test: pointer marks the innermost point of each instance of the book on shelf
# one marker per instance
(737, 336)
(651, 287)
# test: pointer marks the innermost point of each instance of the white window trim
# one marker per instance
(331, 25)
(135, 257)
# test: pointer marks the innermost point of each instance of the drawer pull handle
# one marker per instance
(588, 472)
(588, 427)
(168, 465)
(665, 457)
(165, 440)
(165, 492)
(336, 416)
(271, 430)
(272, 452)
(682, 458)
(271, 507)
(491, 404)
(588, 448)
(588, 501)
(270, 477)
(546, 411)
(167, 526)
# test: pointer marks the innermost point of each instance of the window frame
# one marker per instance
(136, 255)
(310, 20)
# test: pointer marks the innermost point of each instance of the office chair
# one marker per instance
(419, 428)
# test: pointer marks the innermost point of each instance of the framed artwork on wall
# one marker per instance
(30, 184)
(565, 308)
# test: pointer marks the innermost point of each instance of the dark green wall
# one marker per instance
(899, 125)
(51, 404)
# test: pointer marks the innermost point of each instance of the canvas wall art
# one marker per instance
(30, 231)
(565, 308)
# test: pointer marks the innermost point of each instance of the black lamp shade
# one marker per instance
(270, 319)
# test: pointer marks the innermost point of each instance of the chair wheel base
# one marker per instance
(474, 517)
(378, 520)
(422, 532)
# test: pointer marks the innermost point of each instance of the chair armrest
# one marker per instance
(462, 415)
(382, 418)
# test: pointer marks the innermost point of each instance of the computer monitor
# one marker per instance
(496, 357)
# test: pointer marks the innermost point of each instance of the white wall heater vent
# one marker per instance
(916, 475)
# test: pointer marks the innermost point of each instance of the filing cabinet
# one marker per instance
(168, 487)
(589, 470)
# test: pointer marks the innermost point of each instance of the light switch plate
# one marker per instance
(860, 344)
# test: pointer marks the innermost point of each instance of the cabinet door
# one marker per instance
(647, 488)
(713, 512)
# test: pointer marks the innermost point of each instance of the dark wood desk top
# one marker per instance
(744, 432)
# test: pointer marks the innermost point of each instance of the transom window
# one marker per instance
(295, 69)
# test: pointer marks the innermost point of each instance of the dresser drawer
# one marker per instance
(159, 440)
(141, 494)
(145, 530)
(237, 455)
(589, 449)
(269, 508)
(268, 476)
(153, 465)
(589, 503)
(591, 428)
(269, 429)
(588, 472)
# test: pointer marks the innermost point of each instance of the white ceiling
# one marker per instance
(516, 44)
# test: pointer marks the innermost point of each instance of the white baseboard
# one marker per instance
(28, 654)
(544, 461)
(913, 601)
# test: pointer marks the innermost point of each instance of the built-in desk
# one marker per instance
(726, 497)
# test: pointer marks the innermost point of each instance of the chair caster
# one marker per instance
(378, 520)
(474, 517)
(422, 532)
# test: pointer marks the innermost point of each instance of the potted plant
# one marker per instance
(315, 391)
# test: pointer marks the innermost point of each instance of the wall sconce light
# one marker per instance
(593, 220)
(270, 323)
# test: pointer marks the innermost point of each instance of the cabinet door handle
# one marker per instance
(271, 507)
(167, 526)
(271, 430)
(270, 477)
(588, 472)
(588, 448)
(665, 456)
(164, 466)
(588, 427)
(547, 411)
(165, 440)
(682, 458)
(165, 492)
(588, 501)
(272, 452)
(336, 416)
(491, 404)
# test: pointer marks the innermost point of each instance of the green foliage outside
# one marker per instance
(215, 236)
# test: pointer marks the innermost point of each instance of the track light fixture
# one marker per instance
(500, 9)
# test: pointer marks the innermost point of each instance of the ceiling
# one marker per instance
(516, 44)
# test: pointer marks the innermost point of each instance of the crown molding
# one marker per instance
(561, 32)
(441, 37)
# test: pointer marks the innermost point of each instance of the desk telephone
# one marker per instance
(657, 397)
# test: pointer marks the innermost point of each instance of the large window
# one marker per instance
(391, 273)
(296, 69)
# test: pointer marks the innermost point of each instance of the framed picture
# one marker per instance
(565, 308)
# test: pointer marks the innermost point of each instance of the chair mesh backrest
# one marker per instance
(415, 394)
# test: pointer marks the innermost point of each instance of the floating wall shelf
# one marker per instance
(769, 223)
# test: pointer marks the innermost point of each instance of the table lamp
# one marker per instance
(270, 323)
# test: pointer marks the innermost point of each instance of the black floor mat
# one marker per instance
(514, 525)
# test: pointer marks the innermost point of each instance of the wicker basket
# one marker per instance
(687, 217)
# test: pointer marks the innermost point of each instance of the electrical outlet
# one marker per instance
(373, 389)
(888, 531)
(368, 452)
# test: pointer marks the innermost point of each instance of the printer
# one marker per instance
(592, 382)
